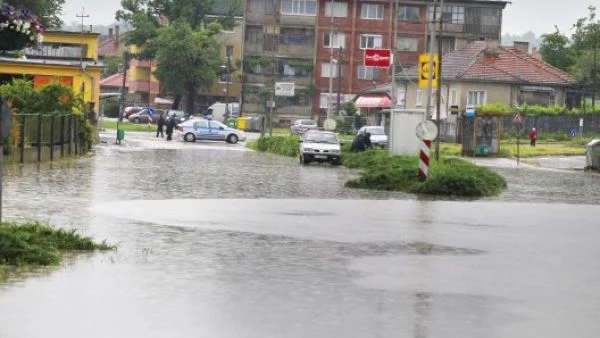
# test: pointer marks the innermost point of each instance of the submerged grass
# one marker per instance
(128, 126)
(33, 243)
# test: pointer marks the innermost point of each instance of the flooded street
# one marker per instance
(218, 241)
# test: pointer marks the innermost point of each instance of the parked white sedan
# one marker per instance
(378, 136)
(201, 129)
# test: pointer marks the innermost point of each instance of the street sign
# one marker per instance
(427, 130)
(150, 111)
(284, 88)
(470, 112)
(270, 104)
(378, 58)
(424, 70)
(517, 119)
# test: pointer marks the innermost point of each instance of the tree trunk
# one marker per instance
(176, 102)
(191, 97)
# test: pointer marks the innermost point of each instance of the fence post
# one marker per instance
(39, 138)
(75, 134)
(70, 132)
(52, 138)
(22, 141)
(62, 135)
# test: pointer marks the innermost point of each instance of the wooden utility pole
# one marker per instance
(439, 86)
(339, 79)
(83, 16)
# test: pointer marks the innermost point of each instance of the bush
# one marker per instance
(36, 244)
(111, 108)
(447, 177)
(280, 145)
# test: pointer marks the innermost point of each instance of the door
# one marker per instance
(201, 130)
(217, 131)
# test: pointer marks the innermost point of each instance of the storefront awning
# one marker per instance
(373, 101)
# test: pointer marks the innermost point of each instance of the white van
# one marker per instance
(217, 110)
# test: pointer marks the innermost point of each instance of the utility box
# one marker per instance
(592, 151)
(403, 127)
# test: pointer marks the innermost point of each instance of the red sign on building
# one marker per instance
(378, 58)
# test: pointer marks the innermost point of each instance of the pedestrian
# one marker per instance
(170, 127)
(361, 142)
(160, 125)
(533, 135)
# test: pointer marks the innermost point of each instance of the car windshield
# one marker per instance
(308, 122)
(375, 130)
(320, 138)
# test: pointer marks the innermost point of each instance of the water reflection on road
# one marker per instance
(215, 241)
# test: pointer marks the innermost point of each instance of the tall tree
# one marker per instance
(188, 60)
(586, 42)
(48, 11)
(556, 51)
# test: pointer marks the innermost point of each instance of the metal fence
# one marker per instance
(38, 137)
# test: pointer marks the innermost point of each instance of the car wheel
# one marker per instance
(304, 159)
(136, 120)
(190, 137)
(233, 139)
(335, 161)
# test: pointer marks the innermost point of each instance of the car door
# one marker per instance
(217, 131)
(201, 130)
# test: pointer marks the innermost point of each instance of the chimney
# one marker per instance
(523, 46)
(491, 47)
(117, 37)
(110, 33)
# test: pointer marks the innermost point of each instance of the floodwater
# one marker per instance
(218, 241)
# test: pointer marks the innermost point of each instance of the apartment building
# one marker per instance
(309, 42)
(279, 46)
(345, 28)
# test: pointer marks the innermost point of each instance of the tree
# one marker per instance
(112, 64)
(48, 11)
(556, 51)
(188, 60)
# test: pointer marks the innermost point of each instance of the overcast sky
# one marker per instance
(521, 16)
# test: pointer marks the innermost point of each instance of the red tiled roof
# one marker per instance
(115, 80)
(510, 64)
(108, 46)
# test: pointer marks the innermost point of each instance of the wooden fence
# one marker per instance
(38, 137)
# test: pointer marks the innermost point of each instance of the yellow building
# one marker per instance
(67, 57)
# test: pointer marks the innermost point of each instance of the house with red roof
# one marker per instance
(481, 73)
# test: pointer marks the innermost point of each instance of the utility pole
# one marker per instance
(339, 79)
(393, 85)
(439, 86)
(432, 35)
(83, 16)
(594, 76)
(330, 61)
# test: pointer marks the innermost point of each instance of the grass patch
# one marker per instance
(447, 177)
(36, 244)
(280, 145)
(127, 126)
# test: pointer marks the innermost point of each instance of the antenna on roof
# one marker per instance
(82, 16)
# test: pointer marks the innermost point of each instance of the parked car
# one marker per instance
(320, 146)
(180, 115)
(128, 111)
(203, 129)
(142, 116)
(302, 126)
(378, 136)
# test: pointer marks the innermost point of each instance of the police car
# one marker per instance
(210, 130)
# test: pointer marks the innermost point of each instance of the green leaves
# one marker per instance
(48, 11)
(50, 99)
(555, 50)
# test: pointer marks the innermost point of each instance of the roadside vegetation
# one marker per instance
(379, 171)
(33, 243)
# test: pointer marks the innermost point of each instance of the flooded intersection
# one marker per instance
(217, 241)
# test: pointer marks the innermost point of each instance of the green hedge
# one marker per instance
(536, 110)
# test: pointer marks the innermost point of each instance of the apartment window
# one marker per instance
(291, 68)
(299, 7)
(335, 40)
(370, 41)
(340, 9)
(490, 16)
(450, 14)
(419, 98)
(368, 73)
(229, 52)
(58, 50)
(400, 97)
(454, 99)
(329, 70)
(254, 34)
(297, 36)
(408, 13)
(261, 6)
(372, 11)
(407, 44)
(476, 98)
(270, 42)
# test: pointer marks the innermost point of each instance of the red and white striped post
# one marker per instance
(424, 158)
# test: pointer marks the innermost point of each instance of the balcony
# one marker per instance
(299, 51)
(298, 20)
(265, 79)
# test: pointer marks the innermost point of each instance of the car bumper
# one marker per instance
(322, 156)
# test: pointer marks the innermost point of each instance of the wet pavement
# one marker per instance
(218, 241)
